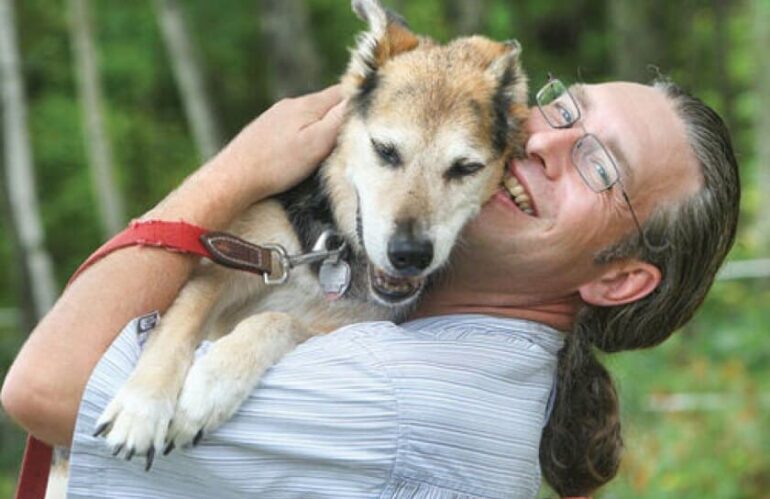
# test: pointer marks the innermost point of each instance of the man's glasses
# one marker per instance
(591, 158)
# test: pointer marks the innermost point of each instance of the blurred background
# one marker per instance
(108, 104)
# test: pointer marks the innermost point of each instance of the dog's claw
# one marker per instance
(102, 429)
(150, 458)
(197, 438)
(129, 454)
(117, 449)
(169, 447)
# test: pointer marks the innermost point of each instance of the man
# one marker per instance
(635, 197)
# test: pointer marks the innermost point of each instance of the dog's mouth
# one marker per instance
(389, 290)
(392, 290)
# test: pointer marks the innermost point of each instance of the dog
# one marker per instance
(428, 133)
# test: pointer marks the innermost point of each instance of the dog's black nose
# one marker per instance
(409, 253)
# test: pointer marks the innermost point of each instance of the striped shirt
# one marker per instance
(437, 408)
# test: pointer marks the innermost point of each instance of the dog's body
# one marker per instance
(429, 131)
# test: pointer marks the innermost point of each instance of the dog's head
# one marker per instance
(429, 132)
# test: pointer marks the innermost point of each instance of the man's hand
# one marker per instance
(271, 154)
(285, 144)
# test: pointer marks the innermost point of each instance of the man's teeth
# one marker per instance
(519, 195)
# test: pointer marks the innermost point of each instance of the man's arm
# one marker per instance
(274, 152)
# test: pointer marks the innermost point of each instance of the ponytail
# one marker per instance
(581, 444)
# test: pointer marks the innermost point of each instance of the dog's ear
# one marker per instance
(506, 69)
(511, 97)
(387, 37)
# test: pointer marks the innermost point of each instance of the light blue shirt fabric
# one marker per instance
(438, 408)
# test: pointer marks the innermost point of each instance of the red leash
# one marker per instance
(180, 237)
(173, 236)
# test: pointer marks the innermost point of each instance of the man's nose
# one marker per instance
(553, 146)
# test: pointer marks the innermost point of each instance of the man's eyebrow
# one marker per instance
(584, 102)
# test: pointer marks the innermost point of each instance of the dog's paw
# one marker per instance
(210, 396)
(135, 424)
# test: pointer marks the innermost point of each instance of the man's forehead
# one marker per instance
(587, 104)
(640, 126)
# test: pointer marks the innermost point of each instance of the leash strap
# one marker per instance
(35, 466)
(180, 237)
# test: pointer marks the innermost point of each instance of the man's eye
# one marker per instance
(565, 113)
(387, 152)
(602, 174)
(462, 168)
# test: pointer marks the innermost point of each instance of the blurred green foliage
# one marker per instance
(717, 453)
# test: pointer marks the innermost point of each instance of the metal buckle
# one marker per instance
(283, 261)
(288, 262)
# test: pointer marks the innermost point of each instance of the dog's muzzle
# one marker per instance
(409, 254)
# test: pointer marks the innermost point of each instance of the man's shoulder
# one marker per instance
(361, 343)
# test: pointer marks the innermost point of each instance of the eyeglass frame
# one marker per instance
(573, 152)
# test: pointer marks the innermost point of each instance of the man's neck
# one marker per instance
(559, 313)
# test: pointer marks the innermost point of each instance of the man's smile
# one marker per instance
(515, 191)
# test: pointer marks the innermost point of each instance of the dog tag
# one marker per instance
(334, 277)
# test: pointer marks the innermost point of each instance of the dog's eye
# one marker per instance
(387, 152)
(462, 168)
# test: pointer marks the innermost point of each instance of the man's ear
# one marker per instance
(621, 283)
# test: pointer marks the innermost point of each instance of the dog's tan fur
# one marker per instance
(437, 102)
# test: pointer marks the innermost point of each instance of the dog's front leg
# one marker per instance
(136, 421)
(223, 378)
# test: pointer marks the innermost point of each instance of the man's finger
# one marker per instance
(334, 116)
(319, 103)
(321, 135)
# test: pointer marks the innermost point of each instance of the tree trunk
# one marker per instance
(466, 17)
(292, 58)
(634, 47)
(721, 57)
(24, 316)
(189, 76)
(19, 170)
(97, 141)
(762, 120)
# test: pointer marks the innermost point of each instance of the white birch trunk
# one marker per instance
(189, 78)
(19, 168)
(295, 67)
(97, 142)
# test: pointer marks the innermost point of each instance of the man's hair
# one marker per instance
(581, 445)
